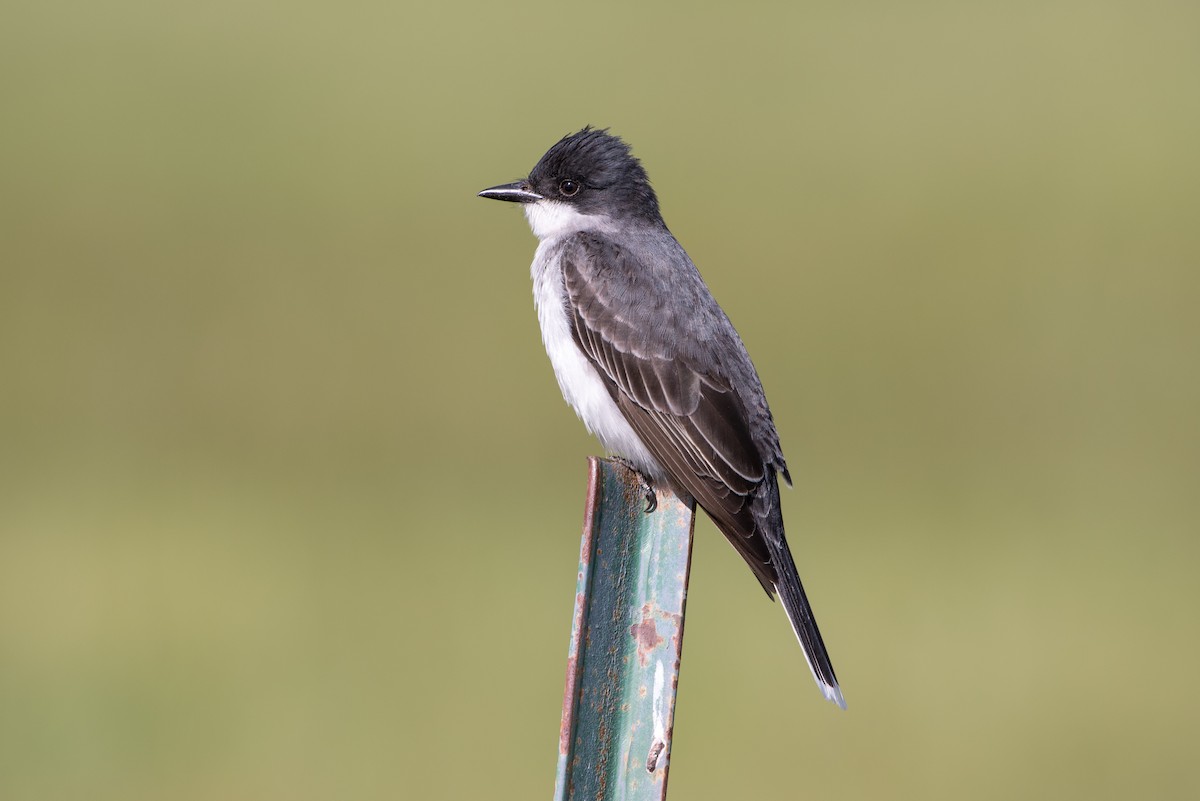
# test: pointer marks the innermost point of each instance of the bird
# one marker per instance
(651, 363)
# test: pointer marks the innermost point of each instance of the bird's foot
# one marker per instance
(644, 484)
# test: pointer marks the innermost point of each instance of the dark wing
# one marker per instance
(682, 378)
(670, 379)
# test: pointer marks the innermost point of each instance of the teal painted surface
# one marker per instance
(626, 641)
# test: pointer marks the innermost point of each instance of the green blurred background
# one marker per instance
(289, 501)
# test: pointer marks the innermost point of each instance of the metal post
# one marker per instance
(626, 640)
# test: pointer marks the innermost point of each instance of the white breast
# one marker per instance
(580, 383)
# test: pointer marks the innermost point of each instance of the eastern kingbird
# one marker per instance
(650, 362)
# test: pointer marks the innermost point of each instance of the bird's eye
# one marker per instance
(568, 187)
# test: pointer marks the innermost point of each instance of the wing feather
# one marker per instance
(677, 399)
(684, 382)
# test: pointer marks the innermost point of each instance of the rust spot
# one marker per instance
(568, 718)
(675, 621)
(645, 634)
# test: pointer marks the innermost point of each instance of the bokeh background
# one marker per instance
(289, 501)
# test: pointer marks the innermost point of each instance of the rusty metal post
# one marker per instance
(626, 640)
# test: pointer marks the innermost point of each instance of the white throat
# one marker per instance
(551, 219)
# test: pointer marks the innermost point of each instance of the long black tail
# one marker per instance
(791, 593)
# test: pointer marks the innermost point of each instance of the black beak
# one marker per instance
(517, 192)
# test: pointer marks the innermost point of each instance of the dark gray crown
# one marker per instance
(608, 178)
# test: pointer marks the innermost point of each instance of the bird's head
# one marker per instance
(588, 179)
